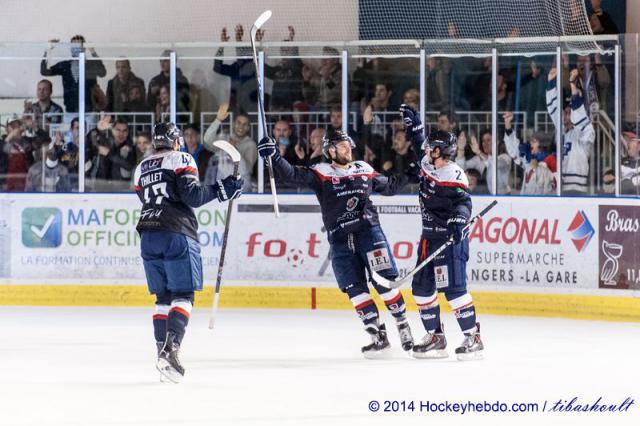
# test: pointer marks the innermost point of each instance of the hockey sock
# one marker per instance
(394, 301)
(429, 309)
(365, 308)
(160, 322)
(465, 312)
(179, 318)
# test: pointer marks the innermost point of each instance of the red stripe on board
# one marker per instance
(313, 298)
(180, 310)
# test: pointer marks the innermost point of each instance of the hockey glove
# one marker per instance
(414, 128)
(413, 172)
(229, 188)
(267, 147)
(456, 226)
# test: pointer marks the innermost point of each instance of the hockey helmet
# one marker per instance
(165, 135)
(446, 141)
(337, 137)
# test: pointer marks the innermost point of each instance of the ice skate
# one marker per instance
(168, 363)
(432, 346)
(379, 347)
(404, 330)
(472, 347)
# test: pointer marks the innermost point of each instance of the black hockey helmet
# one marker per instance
(334, 139)
(446, 141)
(165, 135)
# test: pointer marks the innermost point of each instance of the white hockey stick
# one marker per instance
(254, 30)
(399, 281)
(235, 156)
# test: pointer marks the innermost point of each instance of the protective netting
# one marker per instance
(440, 26)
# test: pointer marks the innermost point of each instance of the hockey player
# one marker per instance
(168, 186)
(356, 240)
(578, 135)
(446, 207)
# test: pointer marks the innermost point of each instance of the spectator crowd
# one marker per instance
(37, 155)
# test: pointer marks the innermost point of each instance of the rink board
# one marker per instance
(571, 257)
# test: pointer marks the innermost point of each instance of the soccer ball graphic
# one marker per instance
(295, 257)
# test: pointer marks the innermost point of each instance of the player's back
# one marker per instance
(158, 181)
(441, 191)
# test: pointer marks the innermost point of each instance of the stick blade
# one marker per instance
(381, 280)
(229, 149)
(262, 19)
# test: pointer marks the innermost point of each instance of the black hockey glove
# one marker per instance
(267, 147)
(229, 188)
(413, 172)
(414, 129)
(456, 226)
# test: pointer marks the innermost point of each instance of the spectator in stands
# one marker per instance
(163, 104)
(244, 87)
(220, 164)
(379, 107)
(67, 148)
(118, 87)
(578, 137)
(469, 153)
(608, 188)
(539, 177)
(144, 147)
(136, 99)
(532, 97)
(18, 155)
(286, 76)
(197, 150)
(69, 71)
(368, 73)
(335, 122)
(401, 158)
(375, 147)
(44, 105)
(164, 79)
(49, 175)
(448, 122)
(315, 155)
(630, 166)
(601, 22)
(593, 81)
(475, 185)
(411, 97)
(484, 160)
(324, 87)
(286, 140)
(116, 154)
(438, 82)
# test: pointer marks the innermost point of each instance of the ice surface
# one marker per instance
(95, 366)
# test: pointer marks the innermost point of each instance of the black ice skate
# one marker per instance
(432, 346)
(379, 347)
(472, 347)
(406, 339)
(168, 363)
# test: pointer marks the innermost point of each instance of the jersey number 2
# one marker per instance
(158, 192)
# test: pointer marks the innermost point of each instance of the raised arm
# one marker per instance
(287, 173)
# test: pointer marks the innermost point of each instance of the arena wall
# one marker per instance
(569, 257)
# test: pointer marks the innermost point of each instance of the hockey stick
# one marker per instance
(254, 30)
(235, 156)
(397, 283)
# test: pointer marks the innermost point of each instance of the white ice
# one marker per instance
(95, 366)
